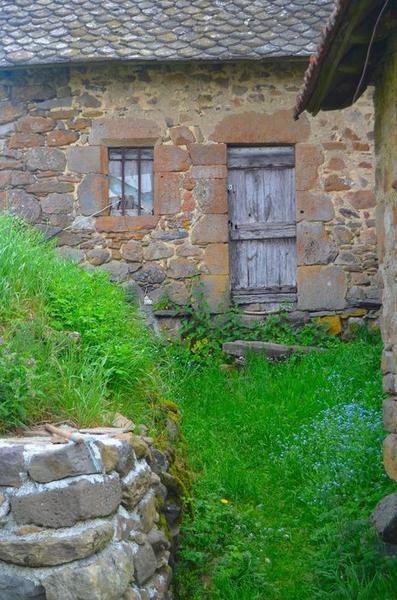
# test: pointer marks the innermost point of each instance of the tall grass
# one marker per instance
(288, 465)
(44, 371)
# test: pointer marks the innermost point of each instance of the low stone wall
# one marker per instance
(95, 521)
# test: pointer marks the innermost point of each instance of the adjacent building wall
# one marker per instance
(55, 125)
(386, 190)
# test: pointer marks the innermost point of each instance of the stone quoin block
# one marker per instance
(171, 159)
(211, 195)
(314, 206)
(321, 287)
(167, 190)
(87, 497)
(314, 246)
(216, 259)
(308, 158)
(208, 154)
(216, 289)
(210, 229)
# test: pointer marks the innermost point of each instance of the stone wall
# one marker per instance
(98, 522)
(56, 124)
(386, 186)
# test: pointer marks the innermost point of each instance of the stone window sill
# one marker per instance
(126, 223)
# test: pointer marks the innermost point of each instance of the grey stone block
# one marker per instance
(15, 587)
(107, 577)
(12, 464)
(60, 462)
(62, 506)
(384, 518)
(49, 549)
(145, 562)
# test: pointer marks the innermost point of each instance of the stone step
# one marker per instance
(240, 348)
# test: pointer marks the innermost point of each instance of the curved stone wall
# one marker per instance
(92, 521)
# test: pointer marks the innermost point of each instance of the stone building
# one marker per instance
(360, 48)
(156, 141)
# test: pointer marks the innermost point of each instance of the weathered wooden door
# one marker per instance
(262, 224)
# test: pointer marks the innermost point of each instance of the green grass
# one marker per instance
(44, 372)
(295, 448)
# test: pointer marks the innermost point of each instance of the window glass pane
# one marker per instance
(136, 164)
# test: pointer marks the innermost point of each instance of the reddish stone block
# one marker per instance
(35, 124)
(216, 290)
(167, 191)
(208, 154)
(10, 111)
(181, 135)
(216, 259)
(314, 206)
(334, 146)
(25, 140)
(360, 147)
(321, 287)
(313, 244)
(170, 159)
(188, 203)
(362, 199)
(87, 159)
(127, 223)
(60, 137)
(259, 128)
(210, 229)
(205, 172)
(308, 158)
(124, 131)
(390, 456)
(336, 164)
(211, 196)
(334, 183)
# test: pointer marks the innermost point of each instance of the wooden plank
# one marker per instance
(262, 231)
(241, 348)
(262, 157)
(284, 289)
(265, 298)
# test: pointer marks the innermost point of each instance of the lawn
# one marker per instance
(287, 466)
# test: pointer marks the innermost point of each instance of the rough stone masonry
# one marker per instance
(76, 523)
(57, 123)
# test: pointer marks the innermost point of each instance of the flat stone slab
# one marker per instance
(12, 465)
(107, 578)
(50, 549)
(243, 347)
(57, 462)
(65, 503)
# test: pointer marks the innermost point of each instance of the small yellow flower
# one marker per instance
(224, 501)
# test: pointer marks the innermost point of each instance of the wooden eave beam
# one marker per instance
(338, 50)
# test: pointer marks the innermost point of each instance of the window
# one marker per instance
(131, 181)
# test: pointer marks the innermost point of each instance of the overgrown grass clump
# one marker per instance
(45, 370)
(287, 459)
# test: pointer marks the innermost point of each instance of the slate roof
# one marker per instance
(64, 31)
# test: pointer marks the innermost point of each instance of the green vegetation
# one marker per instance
(287, 461)
(47, 372)
(286, 456)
